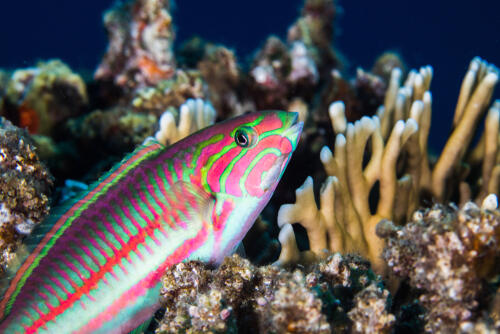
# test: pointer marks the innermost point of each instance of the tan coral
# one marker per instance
(194, 115)
(349, 223)
(475, 96)
(344, 221)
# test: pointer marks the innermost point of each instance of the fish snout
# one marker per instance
(291, 138)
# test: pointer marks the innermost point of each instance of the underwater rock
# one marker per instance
(42, 97)
(369, 314)
(282, 72)
(220, 70)
(4, 80)
(449, 254)
(25, 188)
(315, 28)
(140, 44)
(114, 132)
(240, 297)
(171, 93)
(362, 95)
(370, 93)
(192, 51)
(270, 68)
(385, 63)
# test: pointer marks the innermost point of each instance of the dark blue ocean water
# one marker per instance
(444, 34)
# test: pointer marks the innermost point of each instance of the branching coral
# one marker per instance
(345, 215)
(140, 50)
(398, 163)
(447, 253)
(41, 97)
(194, 115)
(25, 187)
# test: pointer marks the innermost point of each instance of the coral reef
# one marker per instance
(280, 73)
(323, 298)
(169, 93)
(345, 221)
(397, 162)
(140, 51)
(42, 97)
(369, 314)
(364, 148)
(221, 72)
(447, 253)
(25, 189)
(315, 29)
(268, 74)
(116, 131)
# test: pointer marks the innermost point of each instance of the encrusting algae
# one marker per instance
(25, 190)
(451, 254)
(240, 297)
(362, 196)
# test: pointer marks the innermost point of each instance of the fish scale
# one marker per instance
(97, 265)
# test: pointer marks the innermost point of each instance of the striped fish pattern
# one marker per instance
(96, 266)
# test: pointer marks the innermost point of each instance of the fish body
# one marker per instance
(97, 266)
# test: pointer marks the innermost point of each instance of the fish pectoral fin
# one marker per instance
(240, 250)
(197, 201)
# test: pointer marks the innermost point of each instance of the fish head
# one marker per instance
(253, 151)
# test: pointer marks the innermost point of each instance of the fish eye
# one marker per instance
(245, 137)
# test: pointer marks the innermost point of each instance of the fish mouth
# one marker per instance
(292, 132)
(289, 143)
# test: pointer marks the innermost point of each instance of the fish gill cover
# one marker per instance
(386, 219)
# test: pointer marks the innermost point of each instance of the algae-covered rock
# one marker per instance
(39, 98)
(25, 187)
(239, 297)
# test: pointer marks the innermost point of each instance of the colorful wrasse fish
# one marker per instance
(96, 267)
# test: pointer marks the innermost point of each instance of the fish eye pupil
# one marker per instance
(241, 138)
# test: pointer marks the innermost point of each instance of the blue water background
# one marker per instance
(444, 34)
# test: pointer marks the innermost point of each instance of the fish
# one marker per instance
(96, 266)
